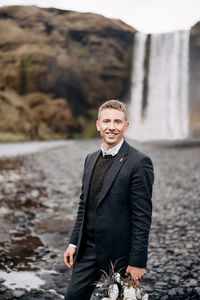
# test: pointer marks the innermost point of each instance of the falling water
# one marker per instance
(165, 115)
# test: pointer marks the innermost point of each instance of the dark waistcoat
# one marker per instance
(100, 171)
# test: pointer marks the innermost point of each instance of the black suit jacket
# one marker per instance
(123, 213)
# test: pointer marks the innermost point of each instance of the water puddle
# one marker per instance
(21, 280)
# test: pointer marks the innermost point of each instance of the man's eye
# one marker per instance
(106, 121)
(118, 121)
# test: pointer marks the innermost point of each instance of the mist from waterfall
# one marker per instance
(159, 94)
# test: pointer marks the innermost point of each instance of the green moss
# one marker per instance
(79, 51)
(88, 125)
(25, 67)
(90, 131)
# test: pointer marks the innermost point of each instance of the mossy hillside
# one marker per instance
(82, 58)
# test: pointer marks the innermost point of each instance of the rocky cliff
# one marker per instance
(194, 91)
(56, 67)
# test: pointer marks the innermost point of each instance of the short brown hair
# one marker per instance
(113, 104)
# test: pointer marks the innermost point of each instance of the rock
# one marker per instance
(2, 289)
(172, 292)
(197, 289)
(148, 288)
(181, 291)
(2, 279)
(164, 297)
(156, 263)
(4, 211)
(160, 284)
(19, 293)
(175, 278)
(160, 270)
(192, 282)
(187, 263)
(35, 193)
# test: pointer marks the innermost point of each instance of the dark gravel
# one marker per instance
(38, 200)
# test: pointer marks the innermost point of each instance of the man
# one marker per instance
(114, 214)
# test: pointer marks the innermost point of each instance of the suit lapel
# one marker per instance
(88, 176)
(113, 171)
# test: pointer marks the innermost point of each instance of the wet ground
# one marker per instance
(38, 200)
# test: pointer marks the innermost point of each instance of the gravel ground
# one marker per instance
(39, 194)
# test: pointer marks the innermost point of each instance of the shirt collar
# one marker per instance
(112, 151)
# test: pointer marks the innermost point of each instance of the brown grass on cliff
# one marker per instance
(34, 116)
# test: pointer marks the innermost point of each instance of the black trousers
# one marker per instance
(84, 274)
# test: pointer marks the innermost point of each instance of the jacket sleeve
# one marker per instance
(141, 212)
(80, 214)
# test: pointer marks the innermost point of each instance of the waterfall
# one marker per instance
(165, 114)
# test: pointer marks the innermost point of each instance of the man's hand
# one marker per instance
(69, 256)
(136, 274)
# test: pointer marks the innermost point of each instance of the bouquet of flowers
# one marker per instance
(114, 287)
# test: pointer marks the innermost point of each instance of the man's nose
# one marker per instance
(112, 126)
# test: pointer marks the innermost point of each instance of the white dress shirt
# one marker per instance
(112, 151)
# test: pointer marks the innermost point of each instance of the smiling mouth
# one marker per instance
(111, 133)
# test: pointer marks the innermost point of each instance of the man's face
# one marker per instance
(111, 125)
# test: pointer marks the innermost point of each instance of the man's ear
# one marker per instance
(127, 125)
(97, 125)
